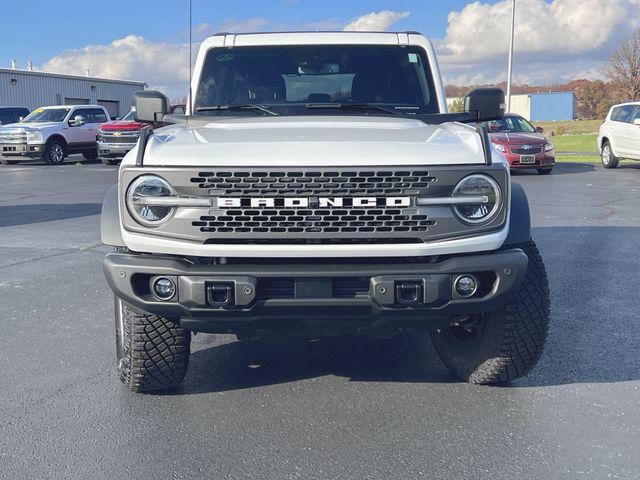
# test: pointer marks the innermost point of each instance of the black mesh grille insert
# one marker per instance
(325, 182)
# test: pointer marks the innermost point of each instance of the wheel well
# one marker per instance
(604, 139)
(59, 138)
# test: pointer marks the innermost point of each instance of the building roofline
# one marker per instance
(74, 77)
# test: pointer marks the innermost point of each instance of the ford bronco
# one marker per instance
(317, 185)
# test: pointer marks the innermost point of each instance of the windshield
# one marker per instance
(510, 125)
(131, 116)
(287, 78)
(40, 115)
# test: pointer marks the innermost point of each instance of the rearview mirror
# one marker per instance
(485, 104)
(76, 121)
(151, 105)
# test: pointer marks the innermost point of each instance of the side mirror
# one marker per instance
(76, 121)
(151, 105)
(485, 104)
(636, 121)
(539, 130)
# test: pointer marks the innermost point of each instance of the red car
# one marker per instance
(116, 138)
(522, 144)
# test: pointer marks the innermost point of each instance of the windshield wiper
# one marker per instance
(353, 106)
(242, 106)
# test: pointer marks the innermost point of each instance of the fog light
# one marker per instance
(164, 288)
(466, 285)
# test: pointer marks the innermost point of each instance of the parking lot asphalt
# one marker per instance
(333, 409)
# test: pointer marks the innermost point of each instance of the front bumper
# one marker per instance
(114, 150)
(543, 160)
(21, 150)
(270, 296)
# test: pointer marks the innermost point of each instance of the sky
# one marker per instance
(556, 40)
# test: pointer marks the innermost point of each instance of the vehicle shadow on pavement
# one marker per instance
(13, 215)
(559, 169)
(593, 337)
(275, 360)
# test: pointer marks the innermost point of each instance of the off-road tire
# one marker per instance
(152, 352)
(608, 159)
(4, 161)
(108, 161)
(544, 171)
(90, 155)
(508, 343)
(54, 152)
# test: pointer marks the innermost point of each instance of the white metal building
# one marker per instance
(32, 89)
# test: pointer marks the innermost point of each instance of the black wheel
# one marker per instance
(609, 160)
(5, 161)
(54, 152)
(152, 352)
(90, 155)
(501, 346)
(544, 171)
(108, 161)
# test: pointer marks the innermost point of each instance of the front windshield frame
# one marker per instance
(210, 89)
(45, 115)
(130, 116)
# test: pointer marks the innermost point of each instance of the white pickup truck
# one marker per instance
(318, 186)
(52, 133)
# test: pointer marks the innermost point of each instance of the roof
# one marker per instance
(64, 75)
(53, 107)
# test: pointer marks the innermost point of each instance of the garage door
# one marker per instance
(76, 101)
(111, 106)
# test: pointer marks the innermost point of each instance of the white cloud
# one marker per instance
(376, 22)
(161, 65)
(249, 25)
(554, 41)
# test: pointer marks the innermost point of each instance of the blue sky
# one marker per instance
(54, 29)
(556, 40)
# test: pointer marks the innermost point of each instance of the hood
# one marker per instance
(29, 126)
(123, 125)
(517, 138)
(314, 141)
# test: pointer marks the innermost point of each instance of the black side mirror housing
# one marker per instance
(151, 105)
(485, 104)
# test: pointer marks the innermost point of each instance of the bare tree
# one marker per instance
(623, 68)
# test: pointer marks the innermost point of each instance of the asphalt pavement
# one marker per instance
(332, 409)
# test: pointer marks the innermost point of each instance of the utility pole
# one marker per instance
(510, 72)
(190, 42)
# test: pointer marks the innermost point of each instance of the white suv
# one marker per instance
(619, 135)
(52, 133)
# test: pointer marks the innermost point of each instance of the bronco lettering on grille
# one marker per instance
(306, 202)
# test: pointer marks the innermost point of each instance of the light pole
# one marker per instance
(509, 74)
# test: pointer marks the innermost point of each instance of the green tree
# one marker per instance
(457, 106)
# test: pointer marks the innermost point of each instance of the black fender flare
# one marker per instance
(519, 217)
(110, 219)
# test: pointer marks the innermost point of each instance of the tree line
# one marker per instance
(594, 97)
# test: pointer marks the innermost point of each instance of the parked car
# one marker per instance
(10, 115)
(619, 135)
(524, 145)
(116, 138)
(52, 133)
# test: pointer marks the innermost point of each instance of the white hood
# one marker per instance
(19, 127)
(314, 141)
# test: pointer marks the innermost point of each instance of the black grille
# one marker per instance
(123, 138)
(336, 220)
(527, 151)
(325, 182)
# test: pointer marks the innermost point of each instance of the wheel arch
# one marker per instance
(110, 219)
(519, 217)
(59, 137)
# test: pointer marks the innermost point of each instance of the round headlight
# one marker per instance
(480, 187)
(146, 188)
